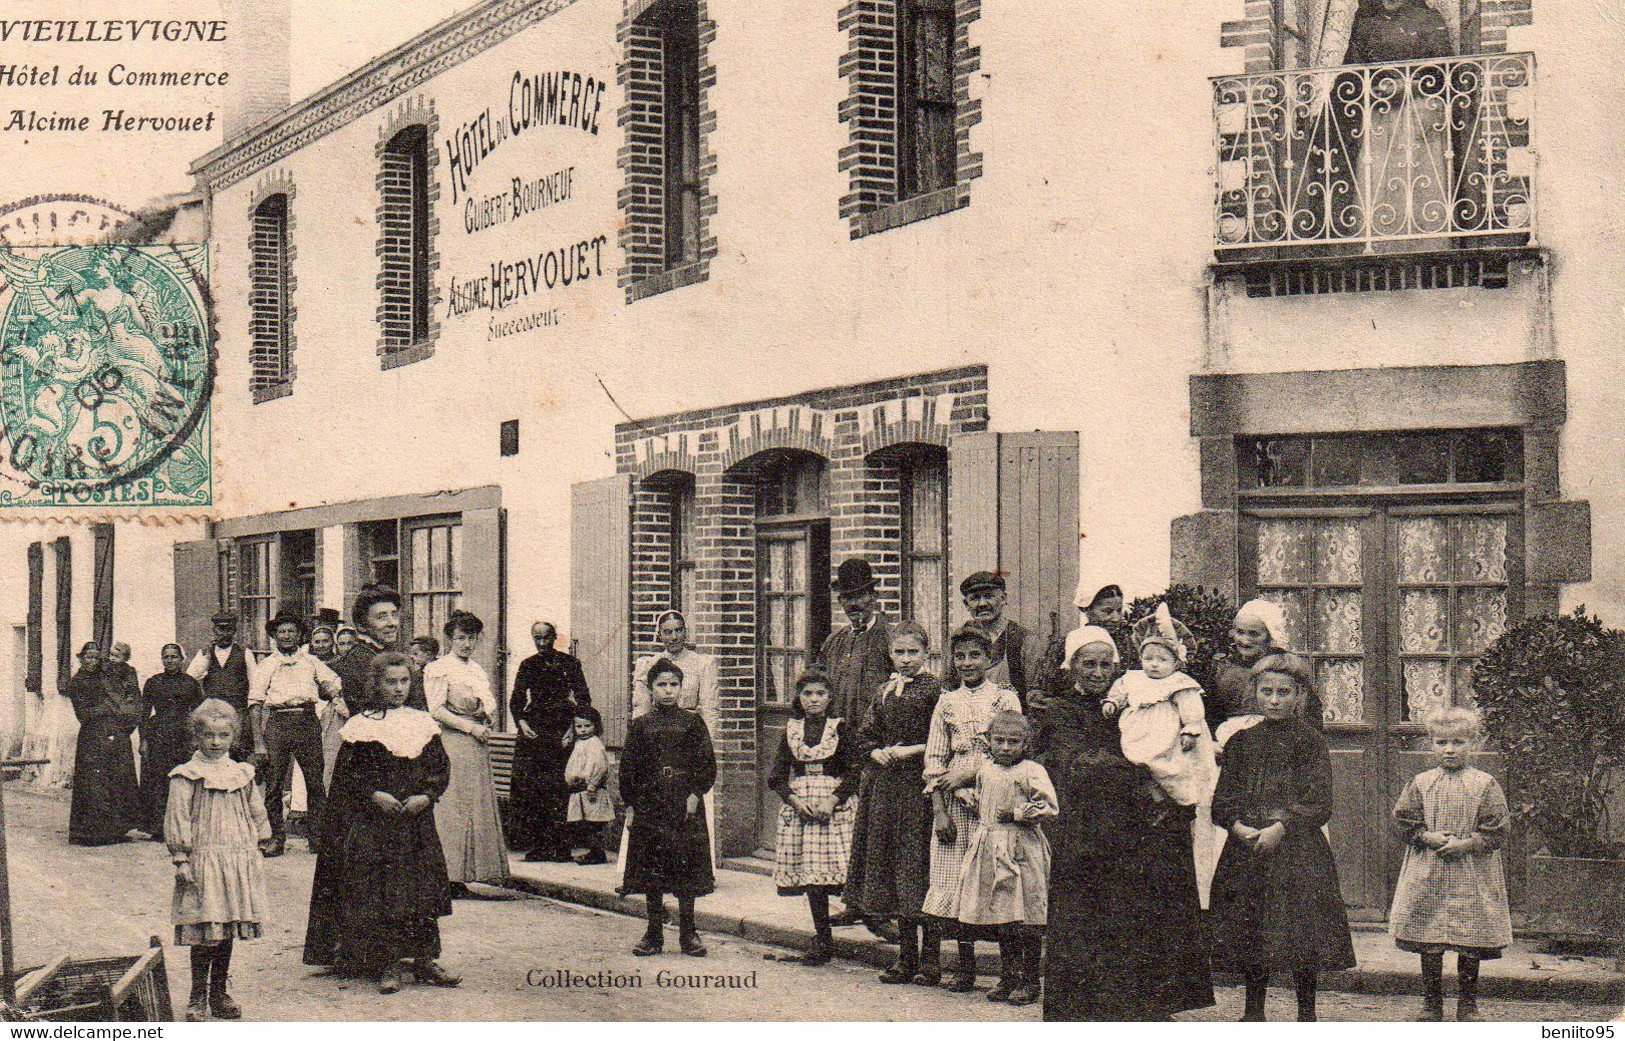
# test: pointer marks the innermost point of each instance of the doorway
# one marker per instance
(792, 603)
(1393, 593)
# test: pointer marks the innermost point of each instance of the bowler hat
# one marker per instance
(284, 617)
(981, 580)
(853, 576)
(223, 618)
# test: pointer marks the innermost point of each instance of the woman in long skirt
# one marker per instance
(106, 800)
(462, 702)
(166, 741)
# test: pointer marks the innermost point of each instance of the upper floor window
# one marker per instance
(665, 201)
(926, 143)
(270, 300)
(403, 247)
(909, 111)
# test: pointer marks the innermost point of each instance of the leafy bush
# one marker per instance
(1552, 694)
(1208, 613)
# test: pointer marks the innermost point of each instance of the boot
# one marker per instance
(654, 937)
(1305, 983)
(427, 970)
(1032, 966)
(1258, 983)
(197, 1005)
(1467, 993)
(823, 947)
(930, 974)
(390, 980)
(908, 953)
(1009, 971)
(1432, 989)
(963, 980)
(220, 1004)
(688, 937)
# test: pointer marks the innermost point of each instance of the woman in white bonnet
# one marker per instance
(1259, 630)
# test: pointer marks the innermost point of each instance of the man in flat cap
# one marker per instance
(223, 669)
(1018, 655)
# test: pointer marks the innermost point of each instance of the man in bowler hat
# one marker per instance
(857, 658)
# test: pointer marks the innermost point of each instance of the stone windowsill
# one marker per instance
(272, 391)
(666, 281)
(396, 357)
(909, 211)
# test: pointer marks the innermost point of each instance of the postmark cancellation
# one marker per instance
(105, 378)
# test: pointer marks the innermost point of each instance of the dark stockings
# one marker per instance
(818, 903)
(202, 957)
(1433, 981)
(967, 958)
(654, 909)
(1258, 981)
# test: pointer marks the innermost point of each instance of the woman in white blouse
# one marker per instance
(461, 700)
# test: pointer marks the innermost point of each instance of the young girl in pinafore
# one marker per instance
(816, 774)
(585, 775)
(1005, 880)
(1452, 892)
(954, 751)
(891, 844)
(1276, 901)
(215, 828)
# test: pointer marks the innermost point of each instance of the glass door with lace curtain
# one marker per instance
(1392, 590)
(433, 576)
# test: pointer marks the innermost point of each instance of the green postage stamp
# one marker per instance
(105, 377)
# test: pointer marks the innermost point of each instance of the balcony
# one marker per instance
(1407, 158)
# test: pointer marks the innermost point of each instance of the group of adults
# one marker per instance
(291, 700)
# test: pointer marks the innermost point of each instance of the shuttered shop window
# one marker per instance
(403, 249)
(269, 296)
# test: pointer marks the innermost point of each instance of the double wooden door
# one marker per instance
(1394, 601)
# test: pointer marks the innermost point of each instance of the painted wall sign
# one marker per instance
(563, 99)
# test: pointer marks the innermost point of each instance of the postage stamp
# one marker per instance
(105, 377)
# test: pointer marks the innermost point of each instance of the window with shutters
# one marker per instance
(405, 318)
(665, 202)
(433, 587)
(270, 301)
(258, 576)
(908, 110)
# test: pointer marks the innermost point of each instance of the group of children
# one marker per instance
(928, 812)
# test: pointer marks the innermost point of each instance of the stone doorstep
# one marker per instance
(748, 906)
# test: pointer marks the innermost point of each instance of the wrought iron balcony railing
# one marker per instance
(1398, 157)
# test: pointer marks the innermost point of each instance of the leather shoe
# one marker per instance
(276, 847)
(846, 918)
(427, 970)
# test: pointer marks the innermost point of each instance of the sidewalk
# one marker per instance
(747, 905)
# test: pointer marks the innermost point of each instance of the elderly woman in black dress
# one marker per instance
(1124, 940)
(107, 700)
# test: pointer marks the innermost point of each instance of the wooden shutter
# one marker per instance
(483, 565)
(1014, 503)
(35, 680)
(197, 592)
(101, 607)
(62, 552)
(600, 595)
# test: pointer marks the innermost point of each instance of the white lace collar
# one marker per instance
(222, 775)
(795, 731)
(403, 731)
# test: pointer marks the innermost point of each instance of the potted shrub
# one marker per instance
(1552, 690)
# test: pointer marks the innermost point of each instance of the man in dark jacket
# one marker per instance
(546, 690)
(1018, 655)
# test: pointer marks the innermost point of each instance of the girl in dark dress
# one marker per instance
(1124, 940)
(166, 741)
(891, 844)
(1276, 901)
(380, 884)
(106, 801)
(666, 769)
